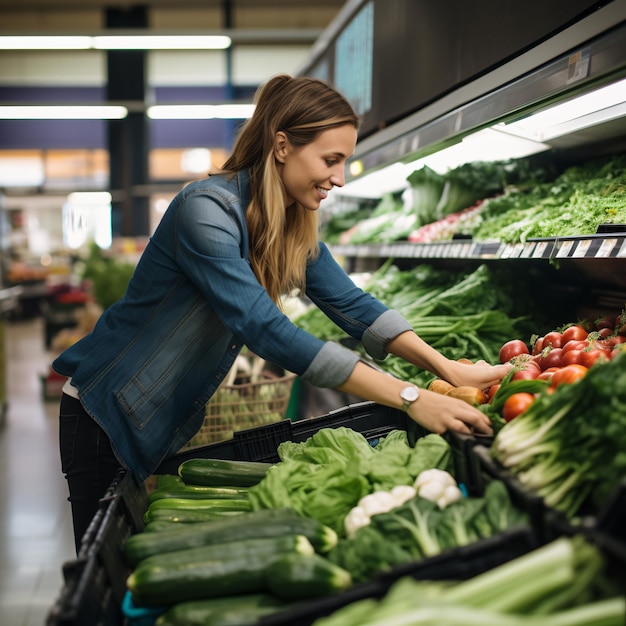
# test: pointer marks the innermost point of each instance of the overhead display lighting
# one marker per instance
(62, 112)
(505, 140)
(127, 41)
(587, 110)
(200, 111)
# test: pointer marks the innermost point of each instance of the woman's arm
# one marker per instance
(411, 348)
(434, 411)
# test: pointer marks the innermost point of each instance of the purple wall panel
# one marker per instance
(91, 134)
(52, 134)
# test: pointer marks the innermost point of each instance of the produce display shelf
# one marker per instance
(594, 246)
(94, 592)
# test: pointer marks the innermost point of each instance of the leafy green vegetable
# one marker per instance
(563, 583)
(462, 314)
(577, 202)
(559, 446)
(325, 476)
(420, 529)
(109, 276)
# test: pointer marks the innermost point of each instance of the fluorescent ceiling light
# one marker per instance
(27, 42)
(161, 42)
(135, 41)
(200, 111)
(61, 112)
(587, 110)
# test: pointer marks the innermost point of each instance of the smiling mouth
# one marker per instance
(323, 192)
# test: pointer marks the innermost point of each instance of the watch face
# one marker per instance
(409, 394)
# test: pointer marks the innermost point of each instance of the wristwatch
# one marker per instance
(409, 395)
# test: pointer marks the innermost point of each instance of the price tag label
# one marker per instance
(565, 248)
(506, 252)
(582, 248)
(577, 66)
(606, 248)
(453, 250)
(540, 250)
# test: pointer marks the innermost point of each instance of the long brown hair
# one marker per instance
(281, 242)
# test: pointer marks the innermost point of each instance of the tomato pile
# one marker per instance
(560, 357)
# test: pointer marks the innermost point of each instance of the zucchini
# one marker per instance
(198, 492)
(184, 516)
(257, 524)
(241, 610)
(221, 473)
(168, 480)
(204, 504)
(301, 576)
(210, 571)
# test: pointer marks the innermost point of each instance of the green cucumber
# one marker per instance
(218, 472)
(198, 492)
(241, 610)
(203, 504)
(210, 571)
(184, 516)
(300, 576)
(256, 524)
(168, 480)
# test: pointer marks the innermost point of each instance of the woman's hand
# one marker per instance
(480, 374)
(439, 413)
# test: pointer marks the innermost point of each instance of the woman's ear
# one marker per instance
(281, 146)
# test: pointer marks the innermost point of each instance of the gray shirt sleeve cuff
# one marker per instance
(331, 367)
(385, 328)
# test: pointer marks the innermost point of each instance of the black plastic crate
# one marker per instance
(465, 463)
(485, 469)
(549, 523)
(261, 444)
(95, 586)
(95, 583)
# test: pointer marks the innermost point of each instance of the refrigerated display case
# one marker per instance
(485, 68)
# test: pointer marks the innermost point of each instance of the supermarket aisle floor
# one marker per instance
(35, 523)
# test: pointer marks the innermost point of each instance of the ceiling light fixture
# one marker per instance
(63, 112)
(200, 111)
(126, 41)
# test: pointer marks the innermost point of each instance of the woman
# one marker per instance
(210, 281)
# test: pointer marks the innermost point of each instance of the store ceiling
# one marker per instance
(38, 16)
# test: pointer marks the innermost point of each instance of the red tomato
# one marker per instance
(512, 348)
(575, 344)
(492, 392)
(527, 373)
(568, 375)
(572, 356)
(551, 359)
(516, 404)
(605, 322)
(547, 374)
(603, 333)
(588, 359)
(553, 339)
(538, 346)
(573, 333)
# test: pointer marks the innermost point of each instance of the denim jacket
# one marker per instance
(153, 360)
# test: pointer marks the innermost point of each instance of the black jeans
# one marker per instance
(87, 461)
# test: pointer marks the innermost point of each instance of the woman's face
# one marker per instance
(309, 172)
